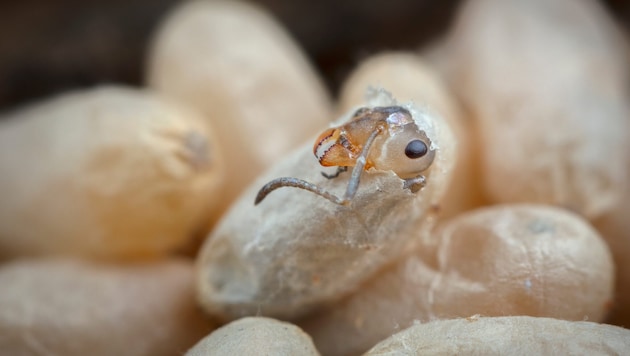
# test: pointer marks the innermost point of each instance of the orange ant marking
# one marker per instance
(383, 138)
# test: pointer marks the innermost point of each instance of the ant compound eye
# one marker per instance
(416, 149)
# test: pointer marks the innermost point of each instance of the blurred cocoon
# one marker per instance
(255, 336)
(515, 335)
(502, 260)
(72, 308)
(547, 83)
(238, 66)
(111, 172)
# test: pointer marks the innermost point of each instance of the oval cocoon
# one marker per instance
(548, 84)
(516, 335)
(110, 173)
(68, 307)
(501, 260)
(296, 251)
(239, 67)
(255, 336)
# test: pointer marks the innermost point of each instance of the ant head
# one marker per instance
(406, 151)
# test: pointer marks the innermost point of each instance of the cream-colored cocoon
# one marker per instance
(110, 172)
(547, 82)
(296, 250)
(516, 335)
(502, 260)
(69, 307)
(255, 336)
(236, 64)
(409, 78)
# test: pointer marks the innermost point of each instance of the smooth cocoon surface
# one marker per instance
(547, 82)
(409, 78)
(109, 172)
(233, 61)
(502, 260)
(66, 307)
(255, 336)
(507, 336)
(296, 250)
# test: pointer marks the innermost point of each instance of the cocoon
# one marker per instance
(296, 251)
(515, 335)
(111, 172)
(255, 336)
(70, 307)
(238, 66)
(547, 83)
(501, 260)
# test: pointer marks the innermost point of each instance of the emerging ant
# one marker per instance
(384, 138)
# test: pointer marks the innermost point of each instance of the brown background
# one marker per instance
(47, 46)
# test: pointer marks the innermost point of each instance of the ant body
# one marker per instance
(383, 138)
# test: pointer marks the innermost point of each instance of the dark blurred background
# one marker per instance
(47, 46)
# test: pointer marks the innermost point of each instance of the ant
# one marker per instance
(383, 138)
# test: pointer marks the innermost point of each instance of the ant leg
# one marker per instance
(340, 170)
(415, 184)
(353, 185)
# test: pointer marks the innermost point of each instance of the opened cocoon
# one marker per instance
(110, 172)
(255, 336)
(515, 335)
(295, 250)
(236, 64)
(547, 82)
(69, 307)
(502, 260)
(409, 78)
